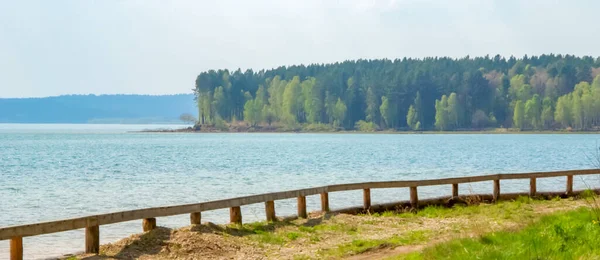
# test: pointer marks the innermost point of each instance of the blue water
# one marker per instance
(50, 172)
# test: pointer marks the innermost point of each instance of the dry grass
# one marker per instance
(334, 236)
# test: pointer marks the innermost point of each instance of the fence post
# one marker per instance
(148, 224)
(92, 236)
(532, 187)
(270, 210)
(324, 202)
(367, 199)
(496, 194)
(195, 218)
(235, 215)
(16, 248)
(454, 189)
(92, 239)
(414, 197)
(302, 207)
(569, 184)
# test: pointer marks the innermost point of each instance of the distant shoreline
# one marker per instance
(211, 130)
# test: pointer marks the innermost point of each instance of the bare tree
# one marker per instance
(188, 118)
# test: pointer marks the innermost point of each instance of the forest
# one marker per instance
(547, 92)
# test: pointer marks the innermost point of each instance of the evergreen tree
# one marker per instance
(372, 113)
(383, 91)
(418, 107)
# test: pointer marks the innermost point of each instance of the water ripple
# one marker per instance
(53, 175)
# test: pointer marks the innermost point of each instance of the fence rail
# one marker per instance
(149, 215)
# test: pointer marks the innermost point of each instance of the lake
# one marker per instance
(50, 172)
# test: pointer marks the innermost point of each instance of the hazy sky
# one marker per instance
(159, 47)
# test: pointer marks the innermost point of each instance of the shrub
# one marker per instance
(318, 127)
(221, 124)
(364, 126)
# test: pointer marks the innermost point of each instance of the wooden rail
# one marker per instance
(149, 215)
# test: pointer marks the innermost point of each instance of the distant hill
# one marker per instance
(97, 109)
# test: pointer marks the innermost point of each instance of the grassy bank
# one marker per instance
(568, 235)
(430, 232)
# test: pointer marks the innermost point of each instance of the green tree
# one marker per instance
(268, 115)
(207, 111)
(596, 82)
(562, 114)
(454, 111)
(252, 112)
(577, 111)
(595, 91)
(388, 112)
(372, 113)
(418, 107)
(525, 92)
(480, 119)
(308, 94)
(275, 91)
(516, 83)
(547, 115)
(533, 112)
(412, 120)
(339, 113)
(291, 106)
(519, 115)
(330, 102)
(587, 104)
(262, 96)
(313, 101)
(219, 103)
(441, 113)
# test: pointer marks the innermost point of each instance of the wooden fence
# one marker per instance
(148, 216)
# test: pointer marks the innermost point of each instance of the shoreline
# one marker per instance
(190, 130)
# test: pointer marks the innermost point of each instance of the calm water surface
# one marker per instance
(50, 172)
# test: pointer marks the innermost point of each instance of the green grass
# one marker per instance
(359, 246)
(292, 235)
(568, 235)
(520, 210)
(330, 227)
(269, 238)
(511, 210)
(263, 232)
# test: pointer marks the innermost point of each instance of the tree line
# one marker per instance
(537, 92)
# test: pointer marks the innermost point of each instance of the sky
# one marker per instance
(58, 47)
